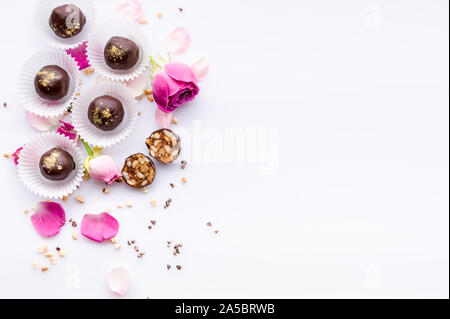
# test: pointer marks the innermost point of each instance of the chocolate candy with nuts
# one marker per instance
(164, 145)
(138, 171)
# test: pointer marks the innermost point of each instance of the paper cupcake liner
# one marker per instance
(88, 131)
(43, 11)
(26, 90)
(99, 38)
(30, 174)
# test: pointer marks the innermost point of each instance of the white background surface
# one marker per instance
(358, 207)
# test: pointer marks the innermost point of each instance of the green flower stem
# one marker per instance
(88, 149)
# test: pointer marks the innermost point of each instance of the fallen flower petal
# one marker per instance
(200, 69)
(131, 10)
(41, 123)
(15, 155)
(138, 85)
(99, 227)
(178, 41)
(119, 280)
(48, 219)
(163, 119)
(79, 54)
(68, 130)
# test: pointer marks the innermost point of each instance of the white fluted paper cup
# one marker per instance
(26, 91)
(43, 11)
(29, 171)
(91, 134)
(100, 37)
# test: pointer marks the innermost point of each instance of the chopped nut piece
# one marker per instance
(144, 190)
(140, 97)
(106, 191)
(6, 155)
(48, 255)
(216, 231)
(119, 206)
(154, 203)
(75, 236)
(108, 210)
(114, 240)
(44, 268)
(184, 180)
(174, 120)
(64, 198)
(139, 113)
(129, 204)
(61, 253)
(45, 248)
(183, 164)
(159, 15)
(53, 261)
(40, 250)
(117, 246)
(35, 265)
(148, 92)
(88, 71)
(143, 21)
(79, 199)
(26, 211)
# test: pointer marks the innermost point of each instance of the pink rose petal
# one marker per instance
(119, 280)
(200, 69)
(48, 219)
(79, 54)
(180, 72)
(67, 129)
(15, 155)
(131, 10)
(163, 119)
(99, 227)
(178, 41)
(41, 123)
(138, 85)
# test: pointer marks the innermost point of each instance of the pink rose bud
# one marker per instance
(173, 86)
(103, 168)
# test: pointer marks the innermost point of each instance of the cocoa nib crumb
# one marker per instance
(168, 202)
(183, 164)
(153, 222)
(179, 267)
(172, 185)
(5, 104)
(176, 249)
(180, 9)
(74, 223)
(168, 267)
(209, 224)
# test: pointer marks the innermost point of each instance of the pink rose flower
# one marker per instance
(103, 168)
(173, 86)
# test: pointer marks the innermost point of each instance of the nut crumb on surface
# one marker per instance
(154, 202)
(183, 164)
(174, 120)
(61, 253)
(159, 15)
(35, 265)
(106, 190)
(7, 155)
(44, 268)
(79, 199)
(184, 180)
(148, 92)
(45, 248)
(129, 204)
(216, 231)
(209, 224)
(75, 236)
(150, 98)
(143, 21)
(179, 267)
(168, 267)
(119, 206)
(26, 211)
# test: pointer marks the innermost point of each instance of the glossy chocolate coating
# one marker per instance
(56, 164)
(106, 113)
(121, 53)
(52, 82)
(67, 21)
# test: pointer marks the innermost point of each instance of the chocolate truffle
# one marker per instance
(67, 21)
(52, 82)
(106, 113)
(164, 145)
(56, 164)
(121, 53)
(138, 171)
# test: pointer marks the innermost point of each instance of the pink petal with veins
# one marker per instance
(119, 280)
(180, 72)
(131, 10)
(178, 41)
(200, 69)
(48, 219)
(41, 123)
(163, 119)
(99, 227)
